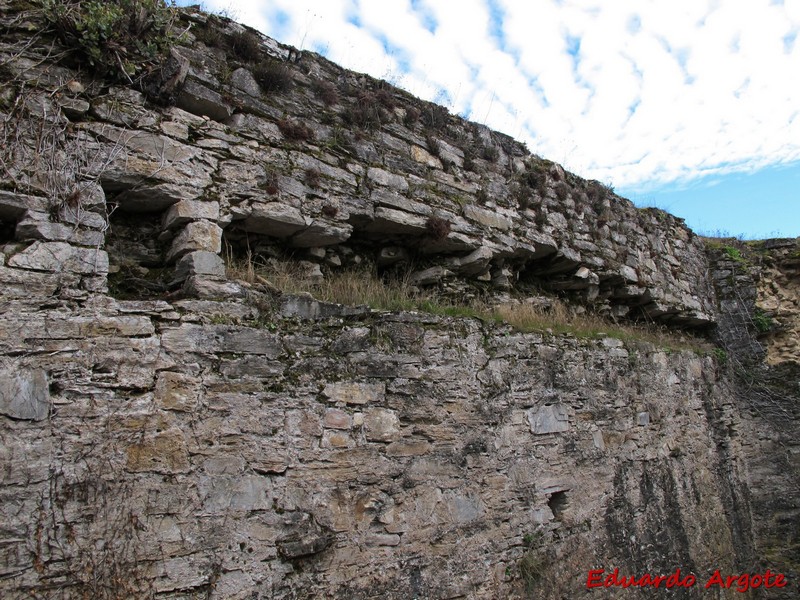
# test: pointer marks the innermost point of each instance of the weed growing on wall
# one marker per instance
(120, 40)
(272, 76)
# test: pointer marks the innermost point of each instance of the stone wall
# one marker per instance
(334, 166)
(756, 284)
(153, 452)
(168, 432)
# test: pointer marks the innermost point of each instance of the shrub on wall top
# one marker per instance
(120, 39)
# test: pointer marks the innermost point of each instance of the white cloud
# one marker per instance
(635, 92)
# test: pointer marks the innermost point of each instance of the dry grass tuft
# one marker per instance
(559, 318)
(364, 287)
(295, 131)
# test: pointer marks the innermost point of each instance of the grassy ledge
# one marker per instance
(364, 287)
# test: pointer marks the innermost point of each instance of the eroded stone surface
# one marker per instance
(24, 394)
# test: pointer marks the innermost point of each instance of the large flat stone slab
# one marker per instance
(56, 257)
(275, 219)
(24, 394)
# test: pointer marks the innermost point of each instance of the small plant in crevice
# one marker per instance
(733, 253)
(720, 355)
(469, 159)
(272, 76)
(295, 131)
(366, 112)
(556, 172)
(523, 195)
(532, 564)
(561, 190)
(481, 196)
(411, 117)
(490, 153)
(210, 35)
(312, 178)
(338, 141)
(604, 217)
(437, 228)
(385, 98)
(535, 177)
(762, 321)
(120, 40)
(330, 211)
(597, 192)
(326, 91)
(246, 45)
(270, 184)
(432, 144)
(435, 117)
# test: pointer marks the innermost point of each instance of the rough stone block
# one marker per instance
(451, 154)
(221, 338)
(184, 211)
(391, 255)
(430, 276)
(381, 425)
(18, 284)
(550, 418)
(243, 80)
(202, 286)
(348, 392)
(251, 366)
(487, 218)
(79, 216)
(306, 307)
(155, 171)
(391, 221)
(475, 262)
(13, 206)
(35, 226)
(24, 394)
(197, 235)
(385, 178)
(337, 419)
(275, 219)
(224, 494)
(200, 262)
(164, 452)
(336, 439)
(74, 108)
(59, 256)
(421, 155)
(382, 539)
(322, 233)
(176, 391)
(306, 545)
(408, 448)
(183, 572)
(202, 101)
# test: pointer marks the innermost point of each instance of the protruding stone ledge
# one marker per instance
(55, 257)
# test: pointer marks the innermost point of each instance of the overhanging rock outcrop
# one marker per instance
(338, 167)
(168, 432)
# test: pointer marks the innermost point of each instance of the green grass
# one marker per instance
(762, 321)
(120, 40)
(733, 253)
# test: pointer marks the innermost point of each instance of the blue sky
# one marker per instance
(689, 105)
